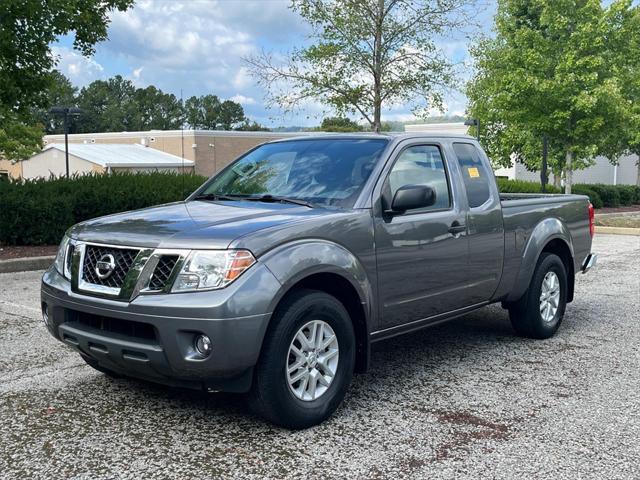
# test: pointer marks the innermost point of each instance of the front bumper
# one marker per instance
(151, 337)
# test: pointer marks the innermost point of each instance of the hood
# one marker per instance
(193, 224)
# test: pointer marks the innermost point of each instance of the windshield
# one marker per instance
(326, 171)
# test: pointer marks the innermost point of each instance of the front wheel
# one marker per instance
(306, 363)
(539, 312)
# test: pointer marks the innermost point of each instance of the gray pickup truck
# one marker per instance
(276, 276)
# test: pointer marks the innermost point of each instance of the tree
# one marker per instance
(366, 54)
(249, 126)
(549, 72)
(156, 110)
(209, 113)
(60, 92)
(28, 28)
(108, 106)
(339, 124)
(625, 50)
(231, 114)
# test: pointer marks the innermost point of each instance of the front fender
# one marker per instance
(545, 231)
(294, 261)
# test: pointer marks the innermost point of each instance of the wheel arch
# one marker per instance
(329, 268)
(550, 235)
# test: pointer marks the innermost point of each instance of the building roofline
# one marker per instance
(179, 162)
(178, 133)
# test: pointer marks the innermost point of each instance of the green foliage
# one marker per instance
(550, 71)
(599, 194)
(38, 212)
(521, 186)
(17, 139)
(609, 194)
(208, 112)
(594, 198)
(339, 124)
(28, 28)
(365, 55)
(61, 92)
(116, 105)
(627, 194)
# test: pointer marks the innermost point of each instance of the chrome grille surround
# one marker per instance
(146, 265)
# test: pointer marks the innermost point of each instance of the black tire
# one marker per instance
(95, 365)
(270, 396)
(525, 315)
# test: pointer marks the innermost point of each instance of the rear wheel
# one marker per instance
(306, 363)
(539, 312)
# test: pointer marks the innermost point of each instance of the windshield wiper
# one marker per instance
(217, 196)
(277, 199)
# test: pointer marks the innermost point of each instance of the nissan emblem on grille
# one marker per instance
(105, 266)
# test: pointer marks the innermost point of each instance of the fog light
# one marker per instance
(202, 344)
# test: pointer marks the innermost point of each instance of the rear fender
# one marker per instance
(544, 232)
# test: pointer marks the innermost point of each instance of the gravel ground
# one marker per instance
(466, 399)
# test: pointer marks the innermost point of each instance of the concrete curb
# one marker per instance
(25, 264)
(618, 230)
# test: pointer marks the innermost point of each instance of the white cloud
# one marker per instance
(79, 69)
(243, 100)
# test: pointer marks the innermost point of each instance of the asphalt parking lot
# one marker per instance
(466, 399)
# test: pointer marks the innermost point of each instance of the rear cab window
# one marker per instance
(474, 174)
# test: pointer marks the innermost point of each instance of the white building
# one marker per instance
(625, 173)
(101, 158)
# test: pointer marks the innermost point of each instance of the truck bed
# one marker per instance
(522, 213)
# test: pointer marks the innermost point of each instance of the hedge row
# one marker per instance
(38, 212)
(600, 195)
(521, 186)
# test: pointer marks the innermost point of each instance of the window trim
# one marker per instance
(426, 210)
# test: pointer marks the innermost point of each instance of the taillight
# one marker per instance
(592, 217)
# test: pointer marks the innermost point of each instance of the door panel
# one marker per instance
(422, 265)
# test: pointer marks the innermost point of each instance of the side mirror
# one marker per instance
(409, 197)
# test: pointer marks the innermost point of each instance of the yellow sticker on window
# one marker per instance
(473, 172)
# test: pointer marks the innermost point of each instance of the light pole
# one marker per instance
(474, 122)
(65, 112)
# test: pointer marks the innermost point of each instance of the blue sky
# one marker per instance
(198, 46)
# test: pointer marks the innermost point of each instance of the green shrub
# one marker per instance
(38, 212)
(594, 198)
(521, 186)
(627, 194)
(636, 189)
(608, 193)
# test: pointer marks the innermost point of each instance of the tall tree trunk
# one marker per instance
(557, 179)
(568, 172)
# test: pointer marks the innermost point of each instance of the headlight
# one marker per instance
(210, 269)
(61, 258)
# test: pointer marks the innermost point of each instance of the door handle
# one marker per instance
(457, 228)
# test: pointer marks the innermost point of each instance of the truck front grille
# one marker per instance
(162, 272)
(123, 259)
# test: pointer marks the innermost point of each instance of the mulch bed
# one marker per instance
(7, 252)
(629, 208)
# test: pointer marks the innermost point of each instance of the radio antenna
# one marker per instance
(182, 140)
